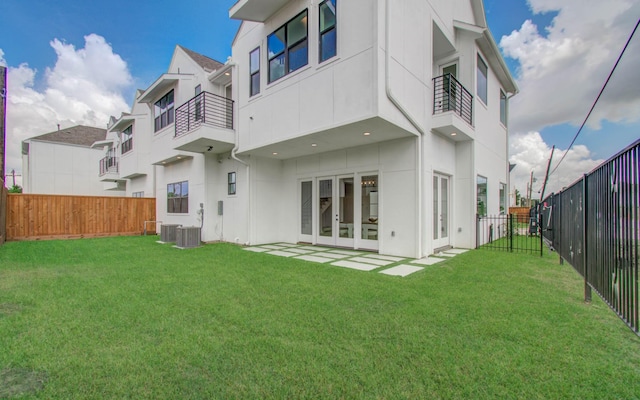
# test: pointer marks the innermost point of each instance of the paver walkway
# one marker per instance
(354, 259)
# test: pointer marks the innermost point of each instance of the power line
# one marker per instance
(597, 98)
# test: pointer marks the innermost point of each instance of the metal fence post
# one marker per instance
(511, 233)
(585, 264)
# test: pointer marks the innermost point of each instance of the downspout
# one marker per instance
(420, 129)
(246, 164)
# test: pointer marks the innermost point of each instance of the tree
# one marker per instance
(517, 195)
(15, 189)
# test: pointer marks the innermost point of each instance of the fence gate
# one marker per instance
(511, 232)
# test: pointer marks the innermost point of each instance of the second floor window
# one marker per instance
(163, 111)
(481, 78)
(254, 72)
(328, 37)
(503, 108)
(178, 197)
(127, 139)
(288, 47)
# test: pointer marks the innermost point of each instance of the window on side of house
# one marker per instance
(481, 192)
(137, 194)
(503, 198)
(231, 183)
(328, 36)
(503, 108)
(288, 48)
(254, 72)
(163, 111)
(127, 140)
(481, 78)
(178, 197)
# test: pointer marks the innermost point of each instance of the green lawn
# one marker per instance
(129, 318)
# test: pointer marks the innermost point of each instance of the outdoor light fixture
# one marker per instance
(367, 133)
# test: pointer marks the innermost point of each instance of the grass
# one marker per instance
(129, 318)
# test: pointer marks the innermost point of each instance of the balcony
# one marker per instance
(452, 108)
(205, 124)
(109, 169)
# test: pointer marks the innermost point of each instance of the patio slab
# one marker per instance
(428, 261)
(456, 251)
(402, 270)
(282, 253)
(354, 265)
(331, 255)
(257, 249)
(380, 263)
(386, 258)
(314, 258)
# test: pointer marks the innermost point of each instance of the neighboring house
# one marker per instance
(64, 162)
(364, 124)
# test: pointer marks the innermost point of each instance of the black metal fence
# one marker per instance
(450, 95)
(509, 233)
(594, 226)
(204, 109)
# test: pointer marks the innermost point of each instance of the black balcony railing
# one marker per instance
(450, 95)
(204, 109)
(108, 164)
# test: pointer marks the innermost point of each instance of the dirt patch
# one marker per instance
(18, 382)
(7, 309)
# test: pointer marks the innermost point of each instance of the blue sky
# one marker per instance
(560, 59)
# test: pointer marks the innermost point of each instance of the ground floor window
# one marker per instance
(137, 194)
(481, 189)
(178, 197)
(503, 198)
(231, 183)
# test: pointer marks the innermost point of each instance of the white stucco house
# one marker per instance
(64, 162)
(364, 124)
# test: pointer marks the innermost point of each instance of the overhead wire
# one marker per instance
(597, 98)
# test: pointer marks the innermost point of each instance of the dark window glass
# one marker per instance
(287, 47)
(178, 197)
(482, 80)
(163, 111)
(231, 183)
(254, 72)
(127, 139)
(328, 35)
(503, 108)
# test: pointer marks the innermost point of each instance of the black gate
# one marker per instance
(513, 233)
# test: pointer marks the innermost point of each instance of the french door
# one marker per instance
(441, 207)
(335, 209)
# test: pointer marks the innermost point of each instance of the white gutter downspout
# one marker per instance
(246, 164)
(396, 103)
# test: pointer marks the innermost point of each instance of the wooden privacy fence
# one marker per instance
(39, 216)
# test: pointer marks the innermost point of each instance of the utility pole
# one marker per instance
(3, 112)
(530, 189)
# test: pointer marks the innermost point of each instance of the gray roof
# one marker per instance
(205, 62)
(78, 135)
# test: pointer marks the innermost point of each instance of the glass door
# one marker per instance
(441, 208)
(335, 205)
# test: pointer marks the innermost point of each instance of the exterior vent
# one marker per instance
(188, 237)
(168, 232)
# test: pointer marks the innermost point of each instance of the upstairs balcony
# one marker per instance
(109, 169)
(452, 108)
(205, 124)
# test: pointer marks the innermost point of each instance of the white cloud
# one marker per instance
(561, 73)
(84, 87)
(530, 153)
